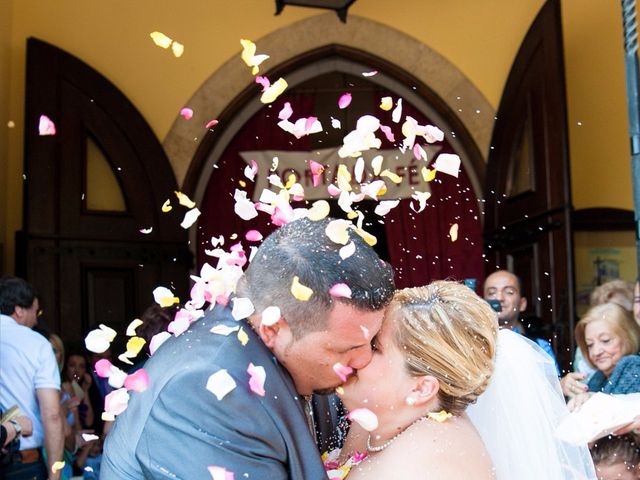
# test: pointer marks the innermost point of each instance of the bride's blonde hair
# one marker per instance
(446, 331)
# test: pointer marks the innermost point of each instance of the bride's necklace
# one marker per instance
(379, 448)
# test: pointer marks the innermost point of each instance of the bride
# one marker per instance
(437, 353)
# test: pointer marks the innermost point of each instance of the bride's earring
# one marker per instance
(411, 401)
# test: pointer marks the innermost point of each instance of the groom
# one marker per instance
(177, 428)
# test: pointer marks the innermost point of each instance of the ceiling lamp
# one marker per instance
(339, 6)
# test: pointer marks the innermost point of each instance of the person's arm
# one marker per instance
(26, 429)
(49, 401)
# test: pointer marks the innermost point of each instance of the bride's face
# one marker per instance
(384, 384)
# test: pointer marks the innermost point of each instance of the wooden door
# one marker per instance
(527, 191)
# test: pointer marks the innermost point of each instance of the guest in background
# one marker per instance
(155, 320)
(76, 383)
(614, 291)
(611, 339)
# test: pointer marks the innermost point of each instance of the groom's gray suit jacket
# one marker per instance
(177, 428)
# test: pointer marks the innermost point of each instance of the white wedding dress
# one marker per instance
(518, 414)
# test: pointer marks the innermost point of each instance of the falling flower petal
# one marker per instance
(427, 174)
(369, 74)
(319, 210)
(146, 231)
(340, 290)
(419, 152)
(164, 297)
(138, 381)
(385, 207)
(99, 340)
(116, 402)
(337, 231)
(348, 250)
(286, 112)
(366, 236)
(250, 171)
(300, 291)
(186, 113)
(440, 416)
(359, 169)
(422, 198)
(249, 55)
(185, 200)
(270, 316)
(157, 340)
(242, 336)
(221, 383)
(386, 103)
(448, 163)
(342, 371)
(335, 123)
(224, 330)
(453, 232)
(220, 473)
(433, 134)
(46, 126)
(344, 178)
(88, 437)
(190, 218)
(376, 164)
(134, 345)
(166, 206)
(264, 81)
(344, 101)
(274, 91)
(365, 418)
(242, 308)
(59, 465)
(211, 123)
(253, 236)
(244, 207)
(258, 376)
(317, 169)
(397, 112)
(160, 39)
(397, 179)
(103, 368)
(117, 377)
(388, 133)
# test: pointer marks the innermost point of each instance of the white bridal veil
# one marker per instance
(518, 414)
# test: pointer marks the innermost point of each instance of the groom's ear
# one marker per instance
(426, 390)
(271, 333)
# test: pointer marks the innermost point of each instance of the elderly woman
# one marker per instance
(611, 338)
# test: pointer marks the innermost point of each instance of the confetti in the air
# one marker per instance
(59, 465)
(224, 330)
(146, 231)
(448, 163)
(164, 297)
(138, 381)
(242, 336)
(253, 236)
(338, 231)
(340, 290)
(270, 316)
(157, 340)
(166, 206)
(211, 123)
(386, 103)
(342, 371)
(242, 308)
(319, 210)
(344, 101)
(116, 402)
(369, 74)
(186, 113)
(220, 473)
(286, 112)
(190, 218)
(221, 383)
(274, 91)
(184, 200)
(99, 340)
(453, 232)
(131, 328)
(440, 416)
(249, 56)
(163, 41)
(348, 250)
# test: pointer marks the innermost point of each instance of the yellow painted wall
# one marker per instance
(480, 38)
(5, 43)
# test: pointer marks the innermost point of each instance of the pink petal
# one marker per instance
(286, 112)
(116, 402)
(138, 381)
(333, 190)
(256, 382)
(344, 101)
(211, 123)
(264, 81)
(418, 152)
(282, 215)
(253, 236)
(342, 371)
(178, 326)
(186, 113)
(103, 368)
(340, 290)
(46, 126)
(220, 473)
(388, 133)
(433, 134)
(317, 169)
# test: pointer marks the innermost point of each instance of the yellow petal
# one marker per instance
(367, 237)
(344, 178)
(291, 180)
(386, 103)
(391, 176)
(57, 466)
(185, 200)
(160, 39)
(352, 214)
(339, 390)
(177, 49)
(243, 337)
(248, 51)
(166, 206)
(428, 174)
(242, 183)
(274, 91)
(453, 232)
(440, 416)
(337, 231)
(299, 291)
(319, 210)
(135, 344)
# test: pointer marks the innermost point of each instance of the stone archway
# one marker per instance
(227, 84)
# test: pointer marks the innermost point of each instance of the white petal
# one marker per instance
(190, 218)
(270, 316)
(224, 330)
(348, 250)
(242, 308)
(220, 384)
(448, 163)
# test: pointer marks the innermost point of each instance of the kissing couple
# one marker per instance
(432, 388)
